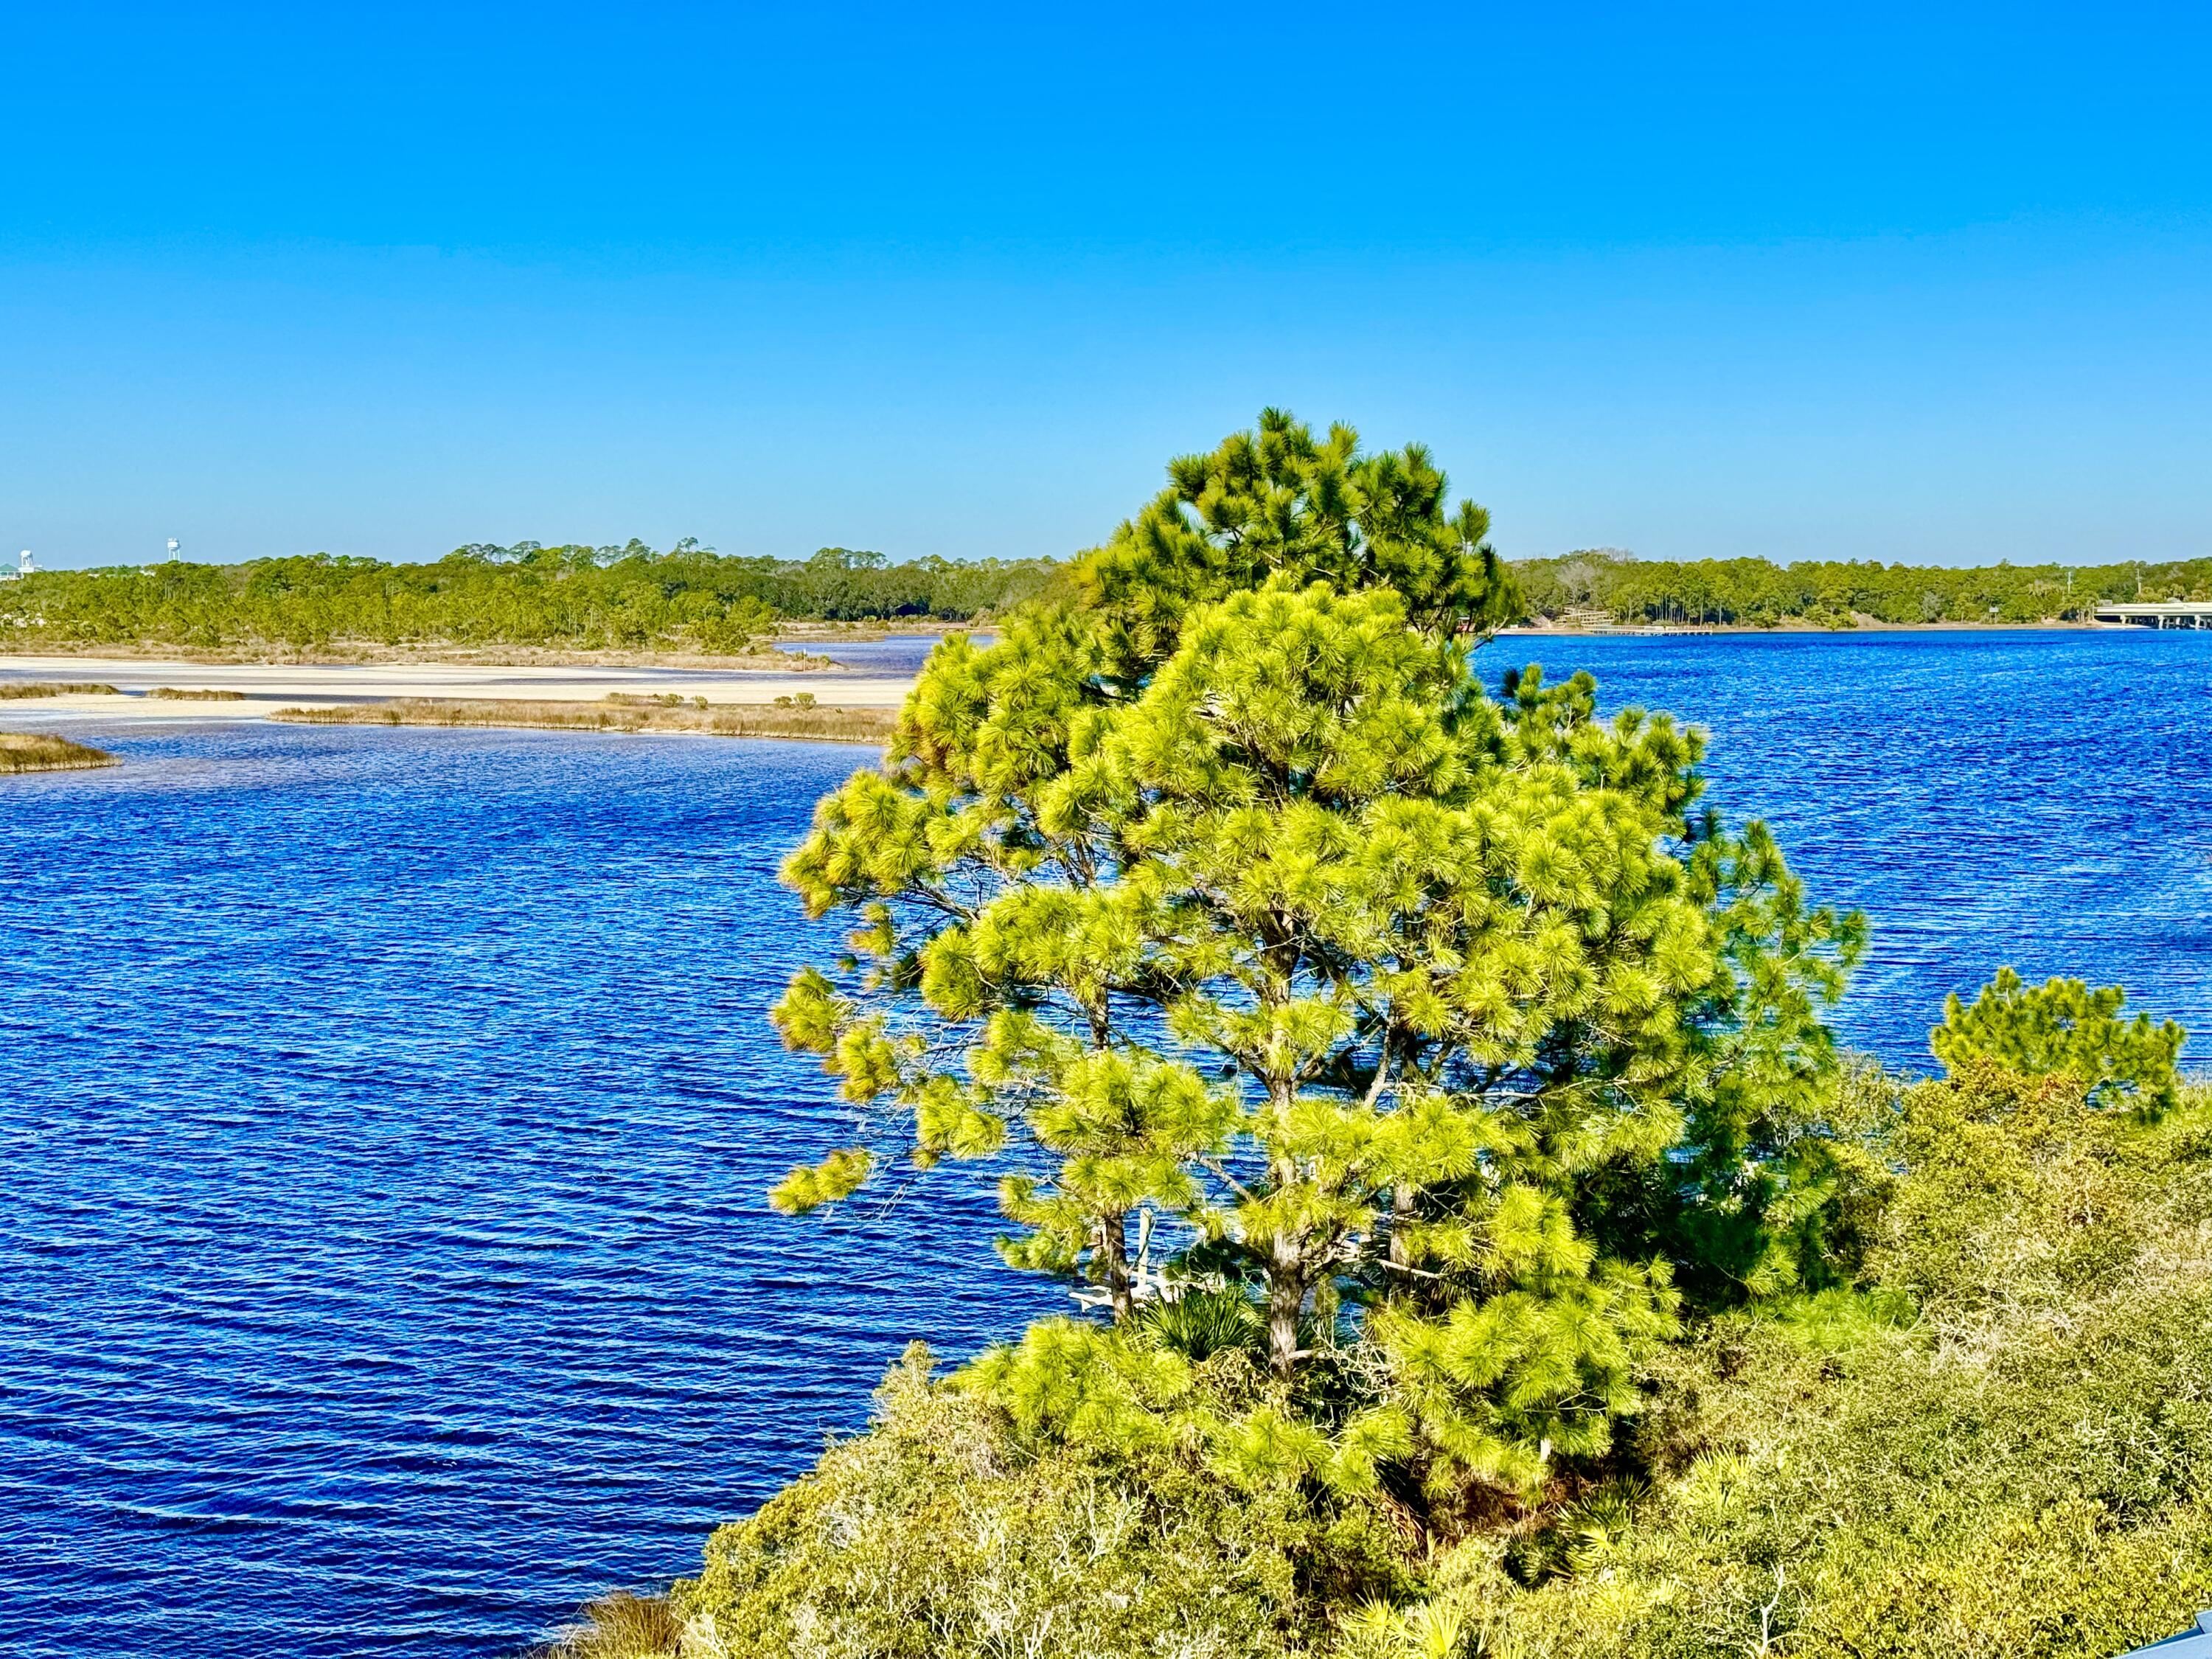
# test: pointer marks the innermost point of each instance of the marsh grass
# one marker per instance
(178, 694)
(39, 751)
(57, 689)
(619, 1626)
(819, 721)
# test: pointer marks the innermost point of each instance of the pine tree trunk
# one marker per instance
(1113, 1264)
(1286, 1298)
(1401, 1213)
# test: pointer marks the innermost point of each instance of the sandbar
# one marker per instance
(264, 688)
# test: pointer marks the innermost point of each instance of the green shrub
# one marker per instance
(620, 1626)
(2001, 1445)
(2016, 1461)
(1200, 1324)
(941, 1535)
(2062, 1028)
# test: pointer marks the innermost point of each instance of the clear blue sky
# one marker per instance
(1921, 282)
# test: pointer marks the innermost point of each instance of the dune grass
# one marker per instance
(623, 712)
(618, 1627)
(178, 694)
(56, 689)
(39, 751)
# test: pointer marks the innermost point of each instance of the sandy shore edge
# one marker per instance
(262, 688)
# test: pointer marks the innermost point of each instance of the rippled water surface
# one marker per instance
(387, 1269)
(897, 653)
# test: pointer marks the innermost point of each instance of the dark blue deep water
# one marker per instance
(386, 1268)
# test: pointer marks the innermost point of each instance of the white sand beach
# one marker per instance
(268, 686)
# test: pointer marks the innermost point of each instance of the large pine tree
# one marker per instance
(1225, 908)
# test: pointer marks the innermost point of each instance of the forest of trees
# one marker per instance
(690, 598)
(575, 598)
(1621, 588)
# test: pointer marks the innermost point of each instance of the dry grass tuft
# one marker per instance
(619, 1626)
(57, 689)
(178, 694)
(39, 751)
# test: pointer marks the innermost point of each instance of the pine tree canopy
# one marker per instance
(1438, 1031)
(1277, 501)
(2063, 1028)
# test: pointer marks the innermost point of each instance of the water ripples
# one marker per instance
(391, 1111)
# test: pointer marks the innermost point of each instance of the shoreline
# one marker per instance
(1798, 625)
(770, 661)
(256, 690)
(801, 660)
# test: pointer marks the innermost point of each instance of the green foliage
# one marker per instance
(2063, 1028)
(839, 1175)
(1532, 1277)
(1977, 1454)
(1277, 501)
(2023, 1192)
(2005, 1449)
(1430, 1023)
(1200, 1324)
(1740, 592)
(942, 1534)
(578, 598)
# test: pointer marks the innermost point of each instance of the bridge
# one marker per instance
(2176, 613)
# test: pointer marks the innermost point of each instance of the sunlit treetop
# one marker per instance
(1278, 502)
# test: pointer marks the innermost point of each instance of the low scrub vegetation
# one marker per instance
(1994, 1440)
(176, 694)
(618, 713)
(39, 751)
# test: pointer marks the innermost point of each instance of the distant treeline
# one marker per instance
(570, 598)
(691, 599)
(1617, 586)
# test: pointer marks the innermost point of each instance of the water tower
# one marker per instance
(173, 550)
(24, 567)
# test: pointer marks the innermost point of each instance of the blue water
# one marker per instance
(897, 653)
(387, 1270)
(2043, 800)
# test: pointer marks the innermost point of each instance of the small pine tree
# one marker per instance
(2063, 1028)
